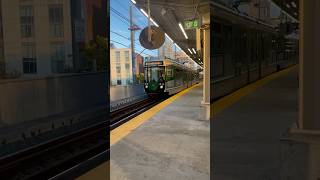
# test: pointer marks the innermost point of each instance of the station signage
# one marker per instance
(191, 24)
(154, 63)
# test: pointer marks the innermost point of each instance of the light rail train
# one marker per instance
(244, 50)
(167, 77)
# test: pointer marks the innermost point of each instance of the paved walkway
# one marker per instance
(173, 144)
(246, 136)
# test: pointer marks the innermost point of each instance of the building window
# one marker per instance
(26, 21)
(118, 69)
(57, 57)
(118, 79)
(118, 56)
(127, 66)
(56, 20)
(127, 55)
(29, 58)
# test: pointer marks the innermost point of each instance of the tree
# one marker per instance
(140, 78)
(97, 53)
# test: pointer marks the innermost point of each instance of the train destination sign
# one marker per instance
(191, 24)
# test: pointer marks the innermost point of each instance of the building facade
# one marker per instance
(139, 64)
(45, 37)
(88, 22)
(37, 36)
(121, 66)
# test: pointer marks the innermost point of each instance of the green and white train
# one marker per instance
(168, 77)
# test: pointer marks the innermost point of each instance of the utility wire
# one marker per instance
(119, 43)
(119, 14)
(128, 47)
(127, 38)
(122, 5)
(125, 22)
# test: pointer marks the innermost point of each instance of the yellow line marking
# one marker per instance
(120, 132)
(101, 172)
(221, 104)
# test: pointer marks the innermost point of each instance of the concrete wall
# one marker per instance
(29, 99)
(122, 92)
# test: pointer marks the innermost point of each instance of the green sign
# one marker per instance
(191, 24)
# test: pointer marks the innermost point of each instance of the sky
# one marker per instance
(120, 22)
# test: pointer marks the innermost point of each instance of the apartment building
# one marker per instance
(37, 36)
(121, 66)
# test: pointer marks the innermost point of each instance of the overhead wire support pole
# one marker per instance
(132, 46)
(149, 23)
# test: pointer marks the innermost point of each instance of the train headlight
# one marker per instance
(161, 87)
(146, 86)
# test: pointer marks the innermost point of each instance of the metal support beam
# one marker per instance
(206, 63)
(309, 57)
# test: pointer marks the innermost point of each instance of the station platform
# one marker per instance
(247, 128)
(169, 141)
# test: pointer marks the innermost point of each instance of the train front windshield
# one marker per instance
(154, 74)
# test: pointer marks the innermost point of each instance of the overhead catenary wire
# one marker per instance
(122, 20)
(120, 35)
(127, 38)
(127, 46)
(126, 20)
(119, 43)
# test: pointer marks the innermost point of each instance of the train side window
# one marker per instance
(169, 72)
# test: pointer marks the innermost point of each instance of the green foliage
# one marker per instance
(97, 50)
(140, 78)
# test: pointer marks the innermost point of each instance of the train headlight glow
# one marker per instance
(161, 87)
(146, 86)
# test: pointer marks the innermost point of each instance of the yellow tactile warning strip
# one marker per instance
(221, 104)
(101, 172)
(125, 129)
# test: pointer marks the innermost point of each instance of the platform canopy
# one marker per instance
(169, 13)
(291, 7)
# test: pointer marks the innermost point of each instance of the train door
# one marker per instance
(169, 77)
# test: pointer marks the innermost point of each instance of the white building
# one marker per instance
(121, 66)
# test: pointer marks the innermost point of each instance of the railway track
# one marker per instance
(53, 157)
(125, 114)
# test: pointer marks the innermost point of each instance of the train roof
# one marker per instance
(167, 62)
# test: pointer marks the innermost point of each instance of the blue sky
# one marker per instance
(119, 24)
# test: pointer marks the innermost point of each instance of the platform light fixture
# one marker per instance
(183, 31)
(178, 47)
(133, 1)
(190, 51)
(293, 4)
(195, 52)
(154, 22)
(168, 37)
(144, 12)
(288, 6)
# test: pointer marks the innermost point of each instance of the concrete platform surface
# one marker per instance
(172, 145)
(246, 137)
